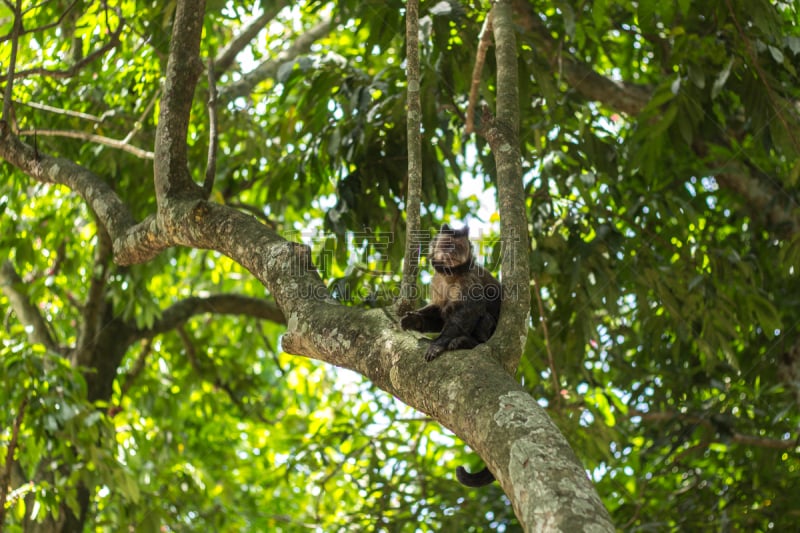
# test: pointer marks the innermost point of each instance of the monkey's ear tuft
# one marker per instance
(445, 228)
(463, 232)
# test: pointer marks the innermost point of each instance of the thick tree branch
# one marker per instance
(269, 69)
(101, 198)
(14, 289)
(467, 391)
(227, 55)
(503, 137)
(220, 304)
(171, 166)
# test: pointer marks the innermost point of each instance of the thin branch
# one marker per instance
(191, 355)
(135, 372)
(733, 436)
(16, 31)
(59, 111)
(631, 99)
(38, 28)
(546, 334)
(91, 137)
(480, 59)
(256, 211)
(36, 6)
(219, 304)
(271, 350)
(269, 69)
(408, 285)
(137, 126)
(213, 138)
(78, 65)
(227, 55)
(28, 315)
(624, 97)
(5, 480)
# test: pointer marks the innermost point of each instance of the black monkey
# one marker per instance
(464, 308)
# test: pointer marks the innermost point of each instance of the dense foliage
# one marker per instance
(661, 150)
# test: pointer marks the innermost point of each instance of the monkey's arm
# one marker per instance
(427, 320)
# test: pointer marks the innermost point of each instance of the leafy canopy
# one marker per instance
(660, 151)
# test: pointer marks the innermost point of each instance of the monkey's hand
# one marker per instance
(413, 320)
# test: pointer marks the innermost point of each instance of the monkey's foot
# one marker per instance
(434, 351)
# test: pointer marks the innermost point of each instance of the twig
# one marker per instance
(706, 422)
(44, 26)
(272, 351)
(71, 71)
(480, 59)
(213, 138)
(137, 126)
(543, 321)
(91, 137)
(258, 212)
(38, 28)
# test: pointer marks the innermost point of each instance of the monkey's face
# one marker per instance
(450, 248)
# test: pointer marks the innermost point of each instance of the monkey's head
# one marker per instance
(450, 248)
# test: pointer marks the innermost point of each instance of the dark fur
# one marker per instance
(464, 308)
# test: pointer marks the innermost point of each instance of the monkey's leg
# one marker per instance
(457, 332)
(484, 328)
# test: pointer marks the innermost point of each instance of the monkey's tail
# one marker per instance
(478, 479)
